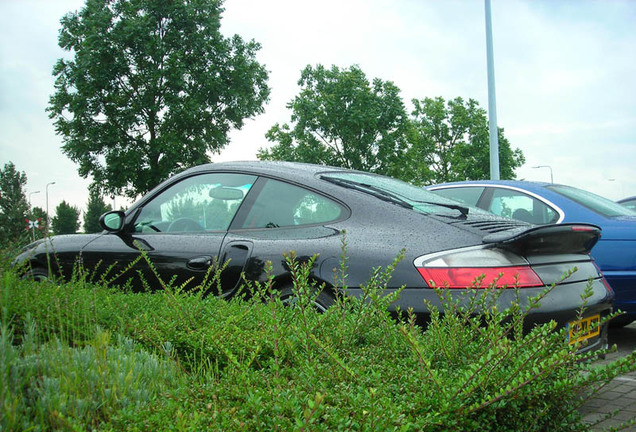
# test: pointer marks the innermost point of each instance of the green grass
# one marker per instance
(82, 356)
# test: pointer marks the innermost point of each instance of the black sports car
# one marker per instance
(245, 214)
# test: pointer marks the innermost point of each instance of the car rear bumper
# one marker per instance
(562, 304)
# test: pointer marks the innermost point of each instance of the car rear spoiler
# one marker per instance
(548, 239)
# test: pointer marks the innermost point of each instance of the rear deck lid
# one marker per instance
(547, 239)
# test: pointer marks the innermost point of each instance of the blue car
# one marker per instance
(630, 202)
(547, 203)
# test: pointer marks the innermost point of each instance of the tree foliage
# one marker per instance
(13, 204)
(66, 219)
(152, 88)
(449, 141)
(341, 119)
(94, 209)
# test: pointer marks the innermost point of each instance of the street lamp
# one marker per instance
(47, 206)
(549, 167)
(492, 100)
(30, 197)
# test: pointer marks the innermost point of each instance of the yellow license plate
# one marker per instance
(583, 329)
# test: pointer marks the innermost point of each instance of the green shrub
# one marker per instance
(52, 386)
(250, 363)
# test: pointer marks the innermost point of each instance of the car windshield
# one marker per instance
(596, 203)
(399, 193)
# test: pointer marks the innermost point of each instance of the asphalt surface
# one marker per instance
(620, 394)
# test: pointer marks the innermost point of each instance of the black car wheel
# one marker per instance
(321, 302)
(36, 274)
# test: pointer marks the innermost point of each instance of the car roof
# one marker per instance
(569, 210)
(297, 170)
(517, 183)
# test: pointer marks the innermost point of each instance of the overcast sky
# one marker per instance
(565, 76)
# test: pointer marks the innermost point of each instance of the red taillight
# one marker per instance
(583, 228)
(605, 283)
(480, 277)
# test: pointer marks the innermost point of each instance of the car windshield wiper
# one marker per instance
(463, 210)
(391, 197)
(371, 190)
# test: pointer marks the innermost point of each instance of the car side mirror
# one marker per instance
(112, 221)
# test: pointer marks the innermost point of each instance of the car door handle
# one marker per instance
(200, 263)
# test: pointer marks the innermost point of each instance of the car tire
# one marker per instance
(323, 301)
(37, 274)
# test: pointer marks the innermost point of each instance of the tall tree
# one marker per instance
(450, 142)
(13, 204)
(152, 88)
(94, 209)
(341, 119)
(66, 219)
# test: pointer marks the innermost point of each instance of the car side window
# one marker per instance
(466, 195)
(281, 204)
(206, 202)
(518, 205)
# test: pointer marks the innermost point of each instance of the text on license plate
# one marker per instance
(584, 328)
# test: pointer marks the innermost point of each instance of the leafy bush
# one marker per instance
(251, 363)
(50, 385)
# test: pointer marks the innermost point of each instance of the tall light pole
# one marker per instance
(30, 197)
(47, 206)
(549, 167)
(492, 100)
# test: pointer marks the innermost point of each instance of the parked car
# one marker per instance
(630, 202)
(547, 203)
(248, 213)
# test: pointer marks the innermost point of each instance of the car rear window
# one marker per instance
(596, 203)
(420, 199)
(468, 195)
